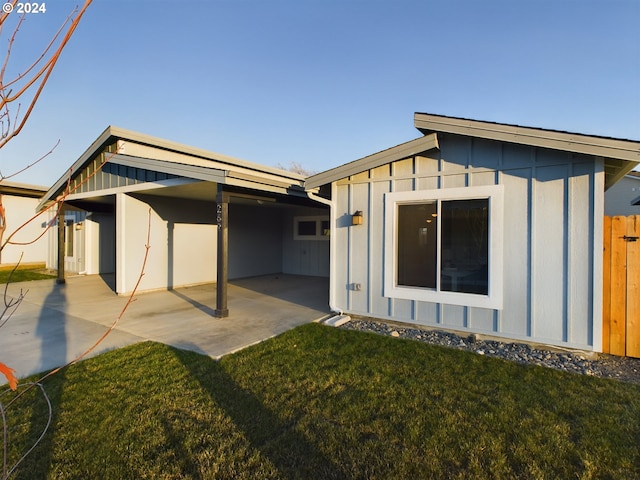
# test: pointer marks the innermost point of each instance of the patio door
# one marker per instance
(74, 242)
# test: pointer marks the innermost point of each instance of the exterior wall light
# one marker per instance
(356, 218)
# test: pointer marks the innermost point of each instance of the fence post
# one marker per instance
(606, 286)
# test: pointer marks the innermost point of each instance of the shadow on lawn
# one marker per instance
(277, 440)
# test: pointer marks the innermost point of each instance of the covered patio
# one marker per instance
(207, 218)
(57, 322)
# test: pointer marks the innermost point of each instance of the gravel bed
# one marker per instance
(607, 366)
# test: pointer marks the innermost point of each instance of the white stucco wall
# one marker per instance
(304, 257)
(552, 230)
(183, 242)
(101, 248)
(19, 210)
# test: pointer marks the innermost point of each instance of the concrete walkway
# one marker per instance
(55, 323)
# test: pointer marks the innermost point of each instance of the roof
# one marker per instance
(404, 150)
(191, 160)
(22, 189)
(555, 139)
(620, 155)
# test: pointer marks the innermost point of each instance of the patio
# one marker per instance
(55, 323)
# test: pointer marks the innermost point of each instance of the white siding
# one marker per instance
(18, 211)
(304, 257)
(550, 236)
(182, 244)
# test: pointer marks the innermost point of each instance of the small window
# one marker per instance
(445, 246)
(307, 228)
(311, 228)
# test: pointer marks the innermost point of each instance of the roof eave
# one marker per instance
(58, 186)
(628, 150)
(112, 133)
(22, 189)
(399, 152)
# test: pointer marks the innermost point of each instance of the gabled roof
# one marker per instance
(620, 156)
(190, 160)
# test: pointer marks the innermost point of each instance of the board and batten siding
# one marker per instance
(304, 257)
(552, 226)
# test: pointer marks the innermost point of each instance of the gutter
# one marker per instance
(339, 318)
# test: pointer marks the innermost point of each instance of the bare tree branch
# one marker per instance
(32, 164)
(38, 79)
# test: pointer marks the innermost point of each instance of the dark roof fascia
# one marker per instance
(199, 172)
(172, 168)
(22, 189)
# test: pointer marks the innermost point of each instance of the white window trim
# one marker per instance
(319, 233)
(495, 194)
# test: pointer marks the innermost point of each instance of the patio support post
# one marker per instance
(61, 227)
(222, 216)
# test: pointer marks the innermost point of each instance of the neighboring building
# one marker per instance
(623, 198)
(477, 227)
(20, 202)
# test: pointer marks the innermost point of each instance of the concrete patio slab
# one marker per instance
(56, 323)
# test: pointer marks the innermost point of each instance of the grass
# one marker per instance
(23, 273)
(319, 402)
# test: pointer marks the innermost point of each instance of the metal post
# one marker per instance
(222, 216)
(61, 245)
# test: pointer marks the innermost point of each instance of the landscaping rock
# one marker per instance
(625, 369)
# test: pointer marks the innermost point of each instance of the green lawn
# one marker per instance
(319, 402)
(23, 274)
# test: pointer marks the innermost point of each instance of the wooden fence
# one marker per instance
(621, 296)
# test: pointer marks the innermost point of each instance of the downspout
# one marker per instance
(339, 318)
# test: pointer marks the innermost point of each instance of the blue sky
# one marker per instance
(325, 82)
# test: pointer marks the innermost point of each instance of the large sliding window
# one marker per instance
(445, 246)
